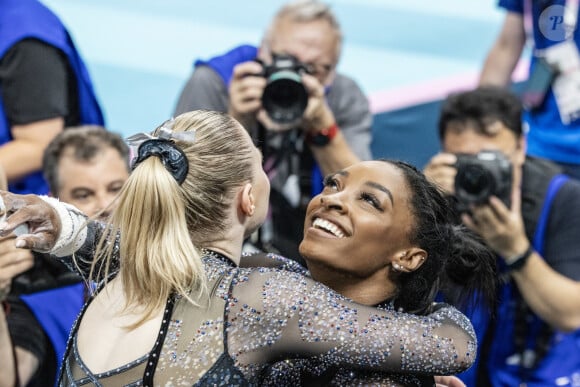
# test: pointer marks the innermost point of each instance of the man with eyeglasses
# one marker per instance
(332, 132)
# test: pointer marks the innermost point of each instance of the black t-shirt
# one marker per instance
(25, 330)
(27, 333)
(561, 247)
(37, 83)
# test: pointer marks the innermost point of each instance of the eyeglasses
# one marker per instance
(320, 70)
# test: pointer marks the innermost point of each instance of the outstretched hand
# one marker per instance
(40, 218)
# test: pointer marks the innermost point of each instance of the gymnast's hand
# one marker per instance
(39, 222)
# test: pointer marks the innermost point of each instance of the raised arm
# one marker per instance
(505, 53)
(550, 294)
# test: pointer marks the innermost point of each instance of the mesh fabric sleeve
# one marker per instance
(275, 315)
(272, 260)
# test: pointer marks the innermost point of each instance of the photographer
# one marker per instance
(329, 125)
(533, 338)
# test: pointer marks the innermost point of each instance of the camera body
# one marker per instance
(284, 97)
(480, 176)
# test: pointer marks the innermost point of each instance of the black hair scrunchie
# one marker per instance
(173, 158)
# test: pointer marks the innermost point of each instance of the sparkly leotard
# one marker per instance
(253, 318)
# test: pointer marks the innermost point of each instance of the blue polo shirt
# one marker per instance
(548, 136)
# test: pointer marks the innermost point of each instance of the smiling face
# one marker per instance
(360, 223)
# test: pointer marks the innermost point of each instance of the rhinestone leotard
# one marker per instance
(254, 318)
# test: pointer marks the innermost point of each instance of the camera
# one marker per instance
(284, 97)
(480, 176)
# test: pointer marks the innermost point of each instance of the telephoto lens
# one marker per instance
(285, 97)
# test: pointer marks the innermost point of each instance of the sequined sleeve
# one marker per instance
(273, 261)
(275, 315)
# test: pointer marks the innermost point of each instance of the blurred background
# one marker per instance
(406, 55)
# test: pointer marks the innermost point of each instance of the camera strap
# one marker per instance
(273, 156)
(283, 163)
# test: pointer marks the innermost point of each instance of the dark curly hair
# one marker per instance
(459, 265)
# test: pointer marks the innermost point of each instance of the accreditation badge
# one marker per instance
(566, 86)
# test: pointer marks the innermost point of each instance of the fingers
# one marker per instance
(470, 222)
(500, 210)
(40, 218)
(20, 217)
(444, 158)
(448, 381)
(317, 115)
(41, 242)
(313, 86)
(244, 69)
(17, 268)
(485, 217)
(503, 230)
(516, 199)
(13, 202)
(246, 88)
(441, 171)
(14, 261)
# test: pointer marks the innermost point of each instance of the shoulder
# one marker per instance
(205, 73)
(224, 64)
(569, 195)
(30, 19)
(345, 85)
(237, 54)
(33, 50)
(537, 176)
(348, 102)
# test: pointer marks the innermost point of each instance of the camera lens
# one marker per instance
(474, 183)
(285, 97)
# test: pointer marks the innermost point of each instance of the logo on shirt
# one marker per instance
(556, 23)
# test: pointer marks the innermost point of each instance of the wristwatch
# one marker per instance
(323, 137)
(518, 262)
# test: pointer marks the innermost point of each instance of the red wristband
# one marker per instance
(323, 137)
